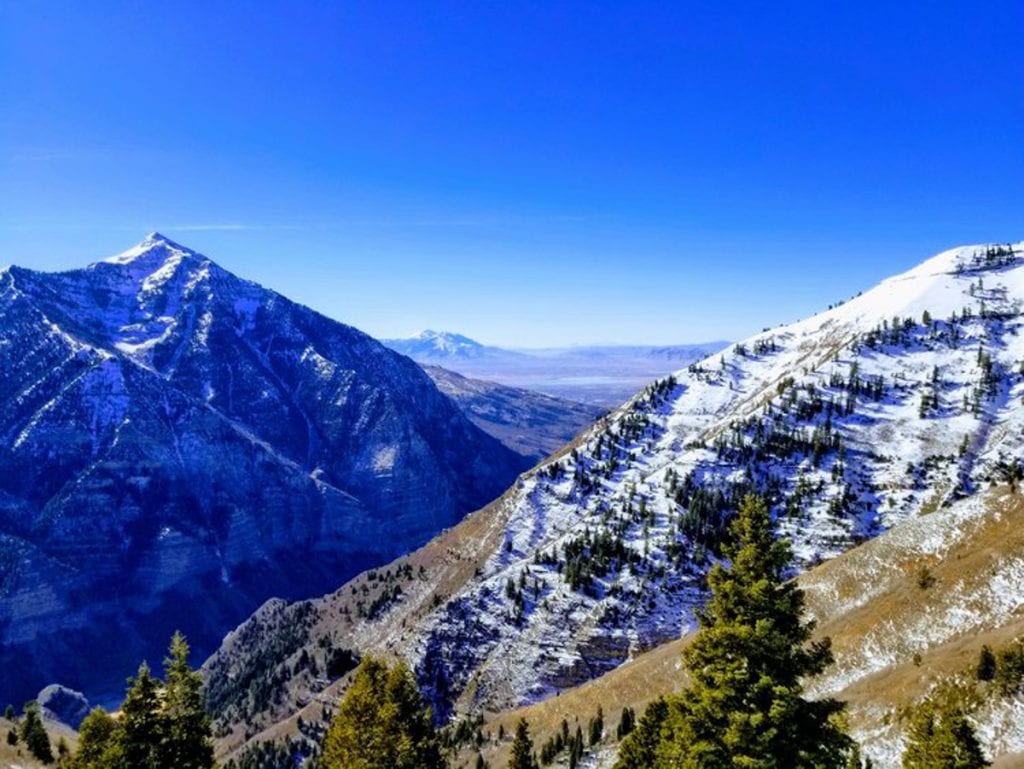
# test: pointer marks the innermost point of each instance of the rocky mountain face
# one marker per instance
(177, 445)
(892, 405)
(530, 423)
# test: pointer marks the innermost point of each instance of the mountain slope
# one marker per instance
(870, 602)
(178, 445)
(529, 423)
(891, 405)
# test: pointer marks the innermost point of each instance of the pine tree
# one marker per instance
(640, 749)
(522, 748)
(100, 742)
(941, 737)
(187, 741)
(986, 669)
(34, 735)
(140, 719)
(744, 707)
(382, 723)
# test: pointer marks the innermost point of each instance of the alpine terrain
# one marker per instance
(177, 445)
(888, 416)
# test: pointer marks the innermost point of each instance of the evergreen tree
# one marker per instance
(522, 748)
(596, 729)
(187, 741)
(744, 706)
(34, 735)
(382, 723)
(986, 670)
(941, 737)
(100, 740)
(626, 723)
(140, 720)
(9, 713)
(640, 749)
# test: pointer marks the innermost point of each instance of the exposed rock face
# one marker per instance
(58, 703)
(177, 445)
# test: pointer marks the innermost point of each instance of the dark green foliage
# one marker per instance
(1009, 675)
(140, 721)
(596, 727)
(941, 737)
(9, 712)
(161, 724)
(986, 668)
(33, 734)
(744, 706)
(627, 722)
(522, 748)
(382, 723)
(100, 742)
(12, 737)
(185, 726)
(640, 749)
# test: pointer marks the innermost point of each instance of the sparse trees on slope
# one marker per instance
(744, 706)
(941, 737)
(382, 723)
(34, 735)
(522, 748)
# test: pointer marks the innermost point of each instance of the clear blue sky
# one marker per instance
(526, 173)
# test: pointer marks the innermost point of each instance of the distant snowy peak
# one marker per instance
(441, 345)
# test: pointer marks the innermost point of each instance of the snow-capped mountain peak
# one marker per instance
(154, 246)
(440, 346)
(195, 434)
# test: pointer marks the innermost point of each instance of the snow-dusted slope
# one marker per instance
(178, 444)
(851, 421)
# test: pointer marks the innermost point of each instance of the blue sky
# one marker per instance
(526, 173)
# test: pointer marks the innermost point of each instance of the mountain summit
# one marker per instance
(439, 346)
(177, 445)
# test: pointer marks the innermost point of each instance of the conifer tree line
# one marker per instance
(161, 724)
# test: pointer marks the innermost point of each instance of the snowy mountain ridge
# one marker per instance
(178, 444)
(851, 421)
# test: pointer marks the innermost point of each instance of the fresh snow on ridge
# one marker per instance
(848, 383)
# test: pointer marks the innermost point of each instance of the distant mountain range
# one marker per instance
(177, 445)
(528, 422)
(606, 375)
(894, 417)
